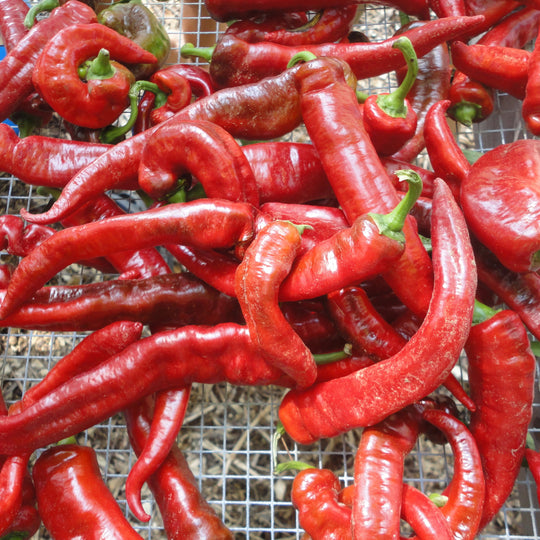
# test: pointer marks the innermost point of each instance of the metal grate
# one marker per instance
(228, 431)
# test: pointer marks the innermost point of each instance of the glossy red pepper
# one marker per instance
(355, 172)
(264, 110)
(265, 265)
(533, 461)
(500, 198)
(17, 67)
(499, 67)
(201, 149)
(186, 514)
(235, 62)
(12, 28)
(101, 96)
(390, 119)
(501, 378)
(72, 497)
(429, 355)
(530, 109)
(328, 24)
(466, 492)
(207, 223)
(161, 301)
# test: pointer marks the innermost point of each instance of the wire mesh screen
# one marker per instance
(228, 433)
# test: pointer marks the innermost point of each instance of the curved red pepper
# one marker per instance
(371, 394)
(530, 109)
(17, 67)
(185, 513)
(206, 223)
(12, 28)
(72, 495)
(100, 101)
(501, 377)
(266, 263)
(355, 172)
(533, 461)
(500, 198)
(202, 149)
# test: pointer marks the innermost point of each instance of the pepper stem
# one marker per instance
(100, 67)
(391, 224)
(292, 466)
(394, 104)
(112, 134)
(201, 52)
(36, 9)
(302, 56)
(466, 113)
(482, 313)
(329, 358)
(147, 86)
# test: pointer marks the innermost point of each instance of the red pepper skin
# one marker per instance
(501, 201)
(393, 164)
(330, 24)
(530, 109)
(202, 149)
(165, 360)
(315, 495)
(73, 499)
(206, 223)
(355, 172)
(533, 461)
(186, 515)
(432, 84)
(98, 102)
(258, 279)
(446, 157)
(265, 110)
(287, 172)
(519, 291)
(501, 68)
(329, 265)
(430, 354)
(45, 161)
(12, 28)
(166, 300)
(378, 474)
(501, 377)
(16, 69)
(236, 62)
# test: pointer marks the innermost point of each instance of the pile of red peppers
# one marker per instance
(337, 268)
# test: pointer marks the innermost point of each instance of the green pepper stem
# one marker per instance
(391, 224)
(26, 123)
(36, 9)
(67, 440)
(535, 347)
(44, 191)
(15, 536)
(310, 24)
(292, 466)
(482, 313)
(202, 52)
(361, 96)
(147, 86)
(329, 358)
(302, 56)
(438, 499)
(393, 103)
(112, 134)
(100, 67)
(466, 113)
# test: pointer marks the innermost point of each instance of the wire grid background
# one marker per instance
(227, 436)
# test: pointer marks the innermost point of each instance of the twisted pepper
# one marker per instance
(366, 397)
(12, 29)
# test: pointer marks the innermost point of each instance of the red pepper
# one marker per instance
(501, 377)
(72, 497)
(165, 360)
(165, 300)
(185, 513)
(431, 85)
(378, 474)
(366, 397)
(169, 412)
(500, 198)
(533, 461)
(17, 67)
(264, 110)
(12, 28)
(530, 109)
(390, 119)
(207, 223)
(100, 100)
(235, 62)
(265, 265)
(203, 150)
(499, 67)
(333, 120)
(473, 101)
